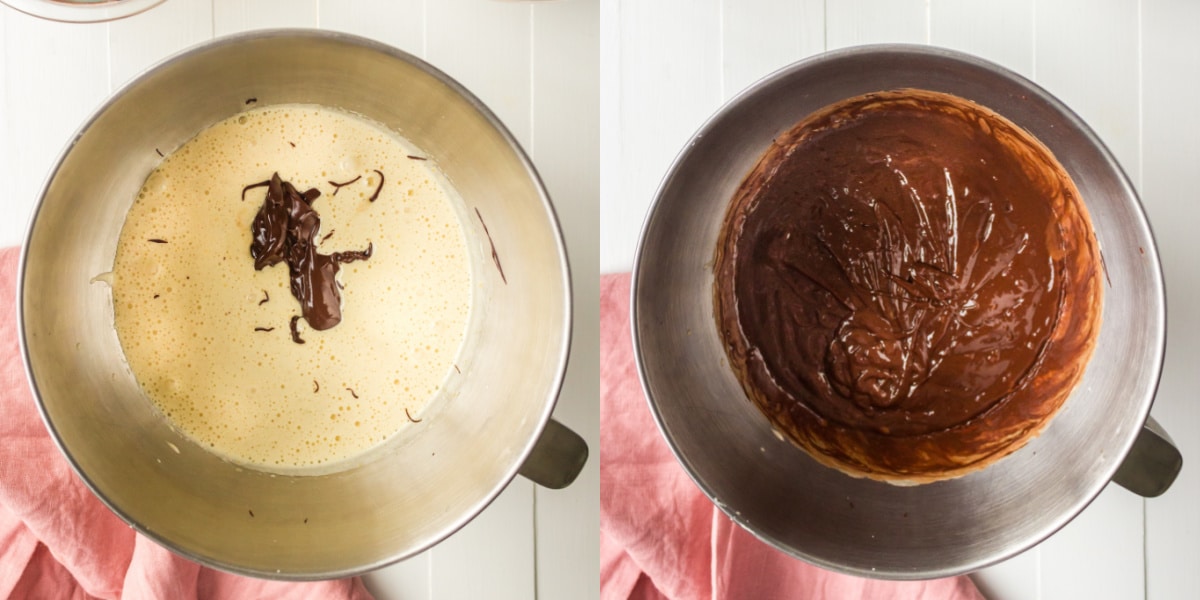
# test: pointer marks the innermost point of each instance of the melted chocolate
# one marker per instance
(907, 285)
(284, 230)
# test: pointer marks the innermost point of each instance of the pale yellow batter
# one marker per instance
(186, 310)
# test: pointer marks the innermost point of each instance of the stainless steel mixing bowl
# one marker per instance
(413, 491)
(860, 526)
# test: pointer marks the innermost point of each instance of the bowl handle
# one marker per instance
(557, 457)
(1152, 463)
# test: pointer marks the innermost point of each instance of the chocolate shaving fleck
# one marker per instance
(328, 235)
(417, 157)
(495, 257)
(457, 370)
(285, 230)
(316, 386)
(157, 240)
(410, 417)
(350, 256)
(293, 144)
(254, 185)
(156, 295)
(251, 512)
(378, 189)
(352, 393)
(264, 329)
(295, 332)
(250, 101)
(306, 520)
(337, 187)
(266, 298)
(160, 154)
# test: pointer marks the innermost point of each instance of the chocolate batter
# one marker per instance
(907, 285)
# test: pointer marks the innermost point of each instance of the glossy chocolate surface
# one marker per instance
(907, 285)
(285, 230)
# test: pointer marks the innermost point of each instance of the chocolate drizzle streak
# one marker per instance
(266, 298)
(378, 189)
(417, 157)
(264, 329)
(295, 332)
(328, 235)
(352, 393)
(254, 185)
(160, 154)
(495, 256)
(316, 386)
(337, 187)
(250, 101)
(157, 241)
(284, 231)
(410, 417)
(350, 256)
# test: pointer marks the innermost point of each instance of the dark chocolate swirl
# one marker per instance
(906, 285)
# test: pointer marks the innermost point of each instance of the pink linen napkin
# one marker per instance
(660, 537)
(58, 541)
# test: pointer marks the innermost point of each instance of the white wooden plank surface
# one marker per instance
(1170, 154)
(53, 75)
(1095, 69)
(141, 41)
(669, 58)
(565, 145)
(1094, 56)
(1001, 32)
(231, 16)
(761, 36)
(854, 22)
(399, 23)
